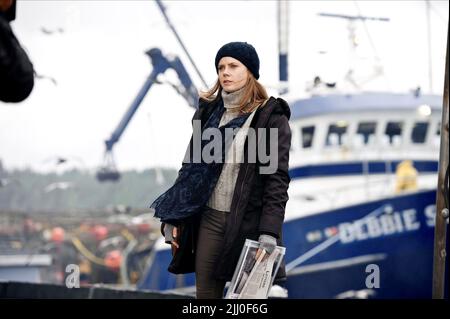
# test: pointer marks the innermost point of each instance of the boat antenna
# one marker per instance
(378, 70)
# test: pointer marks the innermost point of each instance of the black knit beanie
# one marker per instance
(243, 52)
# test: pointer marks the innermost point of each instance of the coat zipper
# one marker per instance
(240, 194)
(242, 186)
(245, 175)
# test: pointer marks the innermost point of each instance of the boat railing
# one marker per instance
(333, 195)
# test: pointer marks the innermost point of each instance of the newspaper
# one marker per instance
(254, 273)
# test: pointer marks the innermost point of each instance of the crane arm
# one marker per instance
(160, 65)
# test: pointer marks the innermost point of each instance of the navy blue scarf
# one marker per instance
(196, 181)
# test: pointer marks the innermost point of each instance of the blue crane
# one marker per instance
(160, 63)
(109, 172)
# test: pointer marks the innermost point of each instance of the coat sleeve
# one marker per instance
(276, 185)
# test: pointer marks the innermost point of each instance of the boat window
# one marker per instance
(336, 133)
(307, 136)
(419, 132)
(438, 129)
(394, 132)
(366, 130)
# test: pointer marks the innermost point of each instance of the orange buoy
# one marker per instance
(100, 232)
(58, 235)
(144, 228)
(113, 259)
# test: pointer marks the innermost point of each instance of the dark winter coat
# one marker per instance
(259, 200)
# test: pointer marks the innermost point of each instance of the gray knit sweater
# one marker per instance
(223, 192)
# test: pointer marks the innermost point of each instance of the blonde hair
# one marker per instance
(254, 94)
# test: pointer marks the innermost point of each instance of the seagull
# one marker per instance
(50, 32)
(58, 185)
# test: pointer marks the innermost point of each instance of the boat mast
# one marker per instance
(283, 43)
(442, 199)
(430, 66)
(351, 27)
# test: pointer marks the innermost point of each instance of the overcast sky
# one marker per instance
(95, 52)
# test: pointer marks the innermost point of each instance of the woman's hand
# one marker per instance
(174, 236)
(174, 243)
(170, 235)
(267, 243)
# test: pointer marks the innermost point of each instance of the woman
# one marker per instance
(214, 206)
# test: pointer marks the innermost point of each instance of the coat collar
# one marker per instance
(272, 106)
